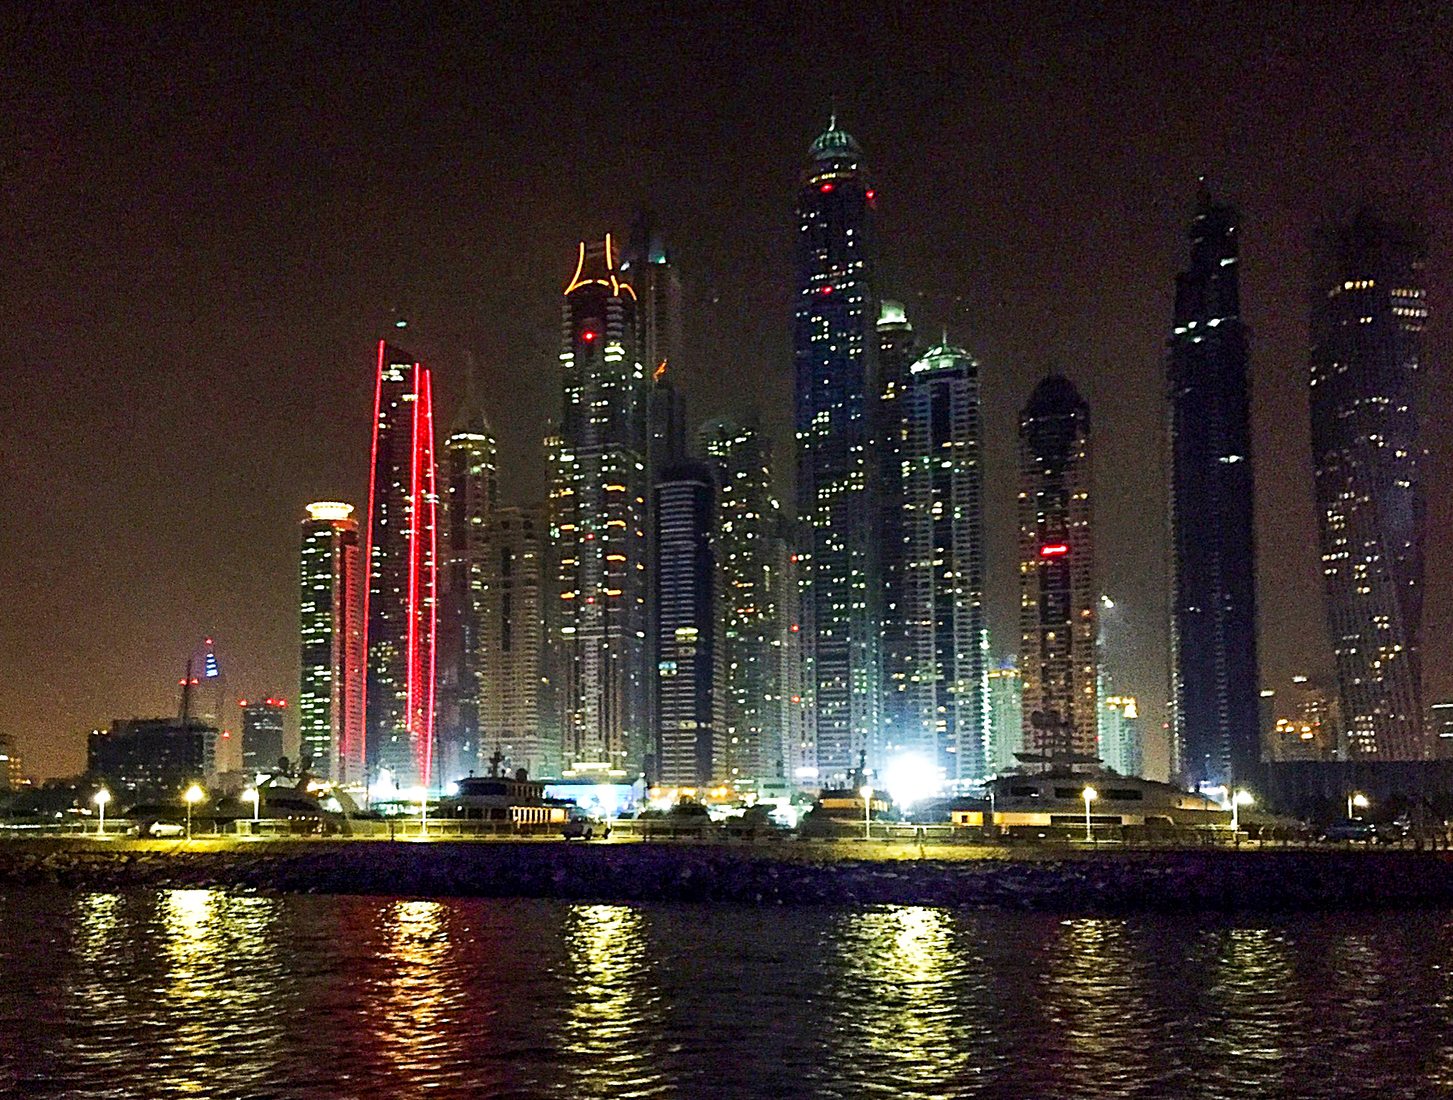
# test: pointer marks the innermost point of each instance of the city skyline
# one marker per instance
(171, 586)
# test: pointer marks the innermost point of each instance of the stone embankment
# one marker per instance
(788, 873)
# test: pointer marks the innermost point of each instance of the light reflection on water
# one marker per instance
(205, 993)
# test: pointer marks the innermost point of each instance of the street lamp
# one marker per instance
(1239, 799)
(1090, 795)
(867, 793)
(100, 798)
(1356, 800)
(194, 795)
(253, 795)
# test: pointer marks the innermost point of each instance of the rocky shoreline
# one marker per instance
(1296, 880)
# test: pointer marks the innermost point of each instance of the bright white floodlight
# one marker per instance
(911, 778)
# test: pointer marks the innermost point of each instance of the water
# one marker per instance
(211, 994)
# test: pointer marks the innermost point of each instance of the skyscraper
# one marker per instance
(471, 490)
(834, 345)
(1120, 743)
(942, 711)
(756, 578)
(330, 622)
(1006, 716)
(512, 694)
(599, 520)
(1214, 713)
(1056, 575)
(1367, 324)
(692, 748)
(262, 735)
(401, 608)
(898, 349)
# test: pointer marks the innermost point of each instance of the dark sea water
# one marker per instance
(209, 994)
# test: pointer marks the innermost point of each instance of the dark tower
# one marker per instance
(834, 346)
(1057, 576)
(1367, 323)
(1214, 679)
(691, 749)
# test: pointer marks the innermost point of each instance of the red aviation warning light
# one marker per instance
(588, 336)
(826, 189)
(1053, 550)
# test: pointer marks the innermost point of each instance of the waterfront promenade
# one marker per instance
(1057, 878)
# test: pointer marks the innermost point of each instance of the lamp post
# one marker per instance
(867, 793)
(194, 795)
(253, 795)
(1356, 800)
(1090, 795)
(1239, 799)
(100, 798)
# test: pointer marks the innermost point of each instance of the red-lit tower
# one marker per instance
(401, 609)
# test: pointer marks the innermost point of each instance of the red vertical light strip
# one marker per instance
(431, 498)
(367, 578)
(411, 650)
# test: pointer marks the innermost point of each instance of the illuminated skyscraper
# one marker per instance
(511, 694)
(1367, 324)
(1057, 575)
(471, 489)
(1006, 717)
(757, 585)
(330, 620)
(898, 350)
(1120, 745)
(835, 346)
(941, 711)
(1215, 721)
(402, 607)
(598, 522)
(690, 696)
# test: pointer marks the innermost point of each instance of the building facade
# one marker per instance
(262, 736)
(512, 695)
(1120, 739)
(330, 625)
(11, 773)
(470, 476)
(599, 521)
(834, 354)
(898, 349)
(752, 550)
(1057, 602)
(152, 759)
(1006, 717)
(941, 712)
(402, 594)
(692, 746)
(1367, 324)
(1214, 713)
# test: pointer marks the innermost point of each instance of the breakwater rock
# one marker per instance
(784, 873)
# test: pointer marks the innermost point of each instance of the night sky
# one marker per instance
(209, 219)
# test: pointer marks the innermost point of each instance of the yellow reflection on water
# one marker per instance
(1095, 994)
(215, 1022)
(897, 997)
(1255, 1020)
(613, 1014)
(413, 1020)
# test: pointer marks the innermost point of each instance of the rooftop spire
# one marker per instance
(471, 416)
